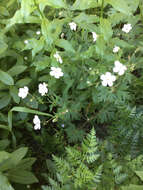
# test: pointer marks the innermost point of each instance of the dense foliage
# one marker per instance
(71, 94)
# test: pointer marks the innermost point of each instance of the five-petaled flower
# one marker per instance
(37, 123)
(56, 72)
(94, 35)
(116, 49)
(119, 68)
(23, 92)
(72, 26)
(107, 79)
(58, 57)
(43, 88)
(126, 28)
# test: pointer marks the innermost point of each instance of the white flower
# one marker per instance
(107, 79)
(25, 58)
(26, 41)
(43, 88)
(116, 49)
(36, 122)
(56, 72)
(38, 32)
(58, 57)
(63, 125)
(23, 92)
(94, 36)
(62, 35)
(119, 68)
(126, 28)
(72, 26)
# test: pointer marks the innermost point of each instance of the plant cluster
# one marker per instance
(69, 68)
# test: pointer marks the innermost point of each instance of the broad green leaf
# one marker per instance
(133, 187)
(4, 155)
(27, 6)
(26, 164)
(140, 174)
(3, 47)
(4, 101)
(4, 127)
(17, 155)
(23, 82)
(14, 94)
(84, 4)
(21, 176)
(65, 44)
(120, 5)
(42, 62)
(4, 183)
(84, 18)
(3, 144)
(6, 78)
(106, 29)
(52, 3)
(16, 70)
(100, 46)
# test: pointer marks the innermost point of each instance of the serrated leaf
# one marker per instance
(6, 78)
(84, 4)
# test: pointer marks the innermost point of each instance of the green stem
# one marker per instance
(38, 9)
(102, 7)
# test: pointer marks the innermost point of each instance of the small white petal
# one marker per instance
(38, 32)
(104, 83)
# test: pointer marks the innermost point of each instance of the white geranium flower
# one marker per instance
(26, 41)
(72, 26)
(56, 72)
(58, 57)
(43, 88)
(23, 92)
(116, 49)
(37, 122)
(94, 36)
(126, 28)
(119, 68)
(107, 79)
(38, 32)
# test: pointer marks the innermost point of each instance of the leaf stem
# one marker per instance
(102, 7)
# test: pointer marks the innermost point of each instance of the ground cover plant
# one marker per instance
(71, 106)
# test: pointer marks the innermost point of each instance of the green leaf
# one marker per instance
(133, 187)
(6, 78)
(4, 183)
(4, 155)
(140, 174)
(52, 3)
(83, 18)
(4, 127)
(23, 82)
(84, 4)
(27, 6)
(21, 176)
(120, 5)
(106, 29)
(26, 164)
(14, 94)
(17, 155)
(16, 70)
(3, 47)
(3, 144)
(4, 101)
(65, 44)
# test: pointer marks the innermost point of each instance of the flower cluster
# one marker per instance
(116, 49)
(58, 57)
(23, 92)
(73, 26)
(43, 88)
(119, 68)
(37, 123)
(94, 35)
(107, 79)
(126, 28)
(56, 72)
